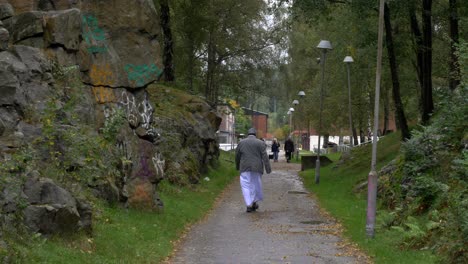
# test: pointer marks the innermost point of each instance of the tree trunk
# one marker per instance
(214, 83)
(418, 41)
(362, 136)
(355, 141)
(400, 112)
(418, 46)
(210, 70)
(168, 49)
(191, 63)
(426, 93)
(326, 139)
(386, 110)
(454, 76)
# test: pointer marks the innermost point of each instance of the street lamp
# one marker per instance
(295, 103)
(290, 112)
(372, 177)
(324, 45)
(348, 60)
(301, 95)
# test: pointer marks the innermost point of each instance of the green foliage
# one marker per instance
(130, 236)
(412, 232)
(243, 123)
(67, 151)
(74, 152)
(113, 125)
(336, 195)
(431, 181)
(462, 53)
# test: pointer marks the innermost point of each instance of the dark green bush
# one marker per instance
(431, 182)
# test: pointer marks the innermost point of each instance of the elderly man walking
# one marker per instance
(251, 159)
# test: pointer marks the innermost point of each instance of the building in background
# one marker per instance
(226, 131)
(259, 121)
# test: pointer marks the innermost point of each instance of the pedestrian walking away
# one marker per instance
(251, 161)
(288, 148)
(275, 148)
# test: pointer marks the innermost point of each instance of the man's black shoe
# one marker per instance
(250, 209)
(255, 206)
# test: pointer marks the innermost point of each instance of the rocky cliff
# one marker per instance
(81, 113)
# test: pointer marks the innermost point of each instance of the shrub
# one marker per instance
(431, 182)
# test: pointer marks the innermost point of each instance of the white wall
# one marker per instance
(334, 139)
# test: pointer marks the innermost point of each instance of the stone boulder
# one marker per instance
(120, 51)
(187, 126)
(20, 6)
(25, 25)
(4, 39)
(116, 51)
(25, 88)
(144, 168)
(6, 11)
(63, 28)
(52, 209)
(103, 61)
(46, 29)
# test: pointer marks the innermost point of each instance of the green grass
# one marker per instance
(335, 194)
(130, 236)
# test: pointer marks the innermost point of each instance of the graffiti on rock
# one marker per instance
(144, 172)
(159, 164)
(93, 35)
(103, 94)
(142, 74)
(102, 75)
(138, 113)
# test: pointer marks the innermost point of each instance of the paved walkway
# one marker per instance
(287, 228)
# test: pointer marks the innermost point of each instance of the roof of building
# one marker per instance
(248, 111)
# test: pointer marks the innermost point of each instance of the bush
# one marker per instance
(430, 182)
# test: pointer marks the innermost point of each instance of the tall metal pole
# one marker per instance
(233, 138)
(290, 123)
(350, 108)
(317, 162)
(372, 177)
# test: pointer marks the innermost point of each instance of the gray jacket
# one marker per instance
(251, 155)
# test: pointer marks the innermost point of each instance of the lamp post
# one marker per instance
(324, 45)
(372, 177)
(301, 94)
(295, 103)
(348, 60)
(290, 112)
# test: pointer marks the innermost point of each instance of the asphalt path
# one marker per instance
(289, 227)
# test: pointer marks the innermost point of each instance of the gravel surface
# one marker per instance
(287, 228)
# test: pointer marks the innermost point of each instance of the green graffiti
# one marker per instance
(142, 74)
(96, 49)
(93, 35)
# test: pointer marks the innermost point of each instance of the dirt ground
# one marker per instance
(289, 227)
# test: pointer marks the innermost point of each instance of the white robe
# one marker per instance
(251, 184)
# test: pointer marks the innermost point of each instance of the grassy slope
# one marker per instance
(336, 195)
(128, 236)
